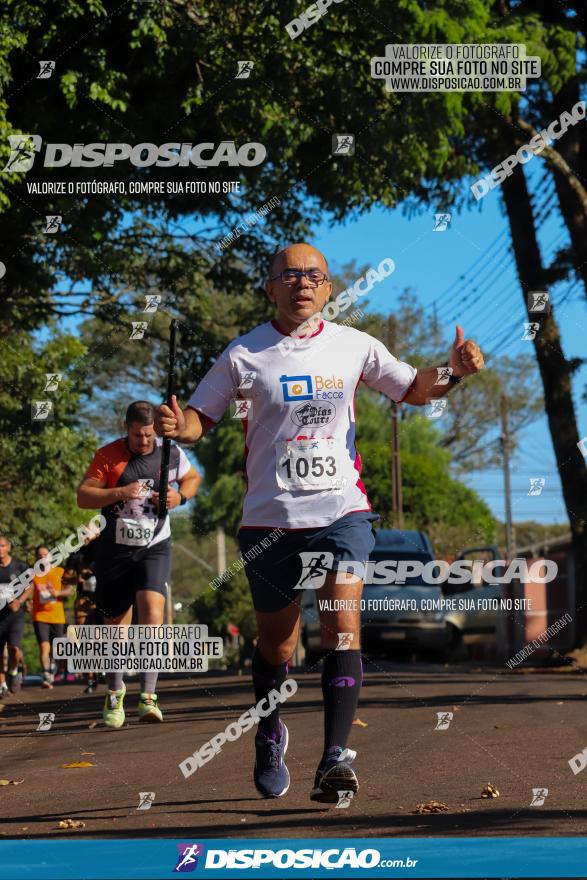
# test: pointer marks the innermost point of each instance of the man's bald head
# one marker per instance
(290, 256)
(299, 297)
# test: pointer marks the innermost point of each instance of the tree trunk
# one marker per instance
(572, 148)
(556, 380)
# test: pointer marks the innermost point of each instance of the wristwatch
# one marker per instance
(183, 499)
(452, 378)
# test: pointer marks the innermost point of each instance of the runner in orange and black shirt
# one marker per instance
(133, 552)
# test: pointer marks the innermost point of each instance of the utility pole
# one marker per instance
(505, 450)
(396, 470)
(397, 507)
(220, 550)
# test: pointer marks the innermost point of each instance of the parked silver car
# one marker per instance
(402, 618)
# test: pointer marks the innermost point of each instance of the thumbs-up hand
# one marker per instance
(465, 355)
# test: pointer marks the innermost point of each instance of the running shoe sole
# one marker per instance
(340, 777)
(150, 717)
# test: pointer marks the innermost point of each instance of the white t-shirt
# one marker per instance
(296, 399)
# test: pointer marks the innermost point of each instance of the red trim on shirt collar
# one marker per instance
(279, 330)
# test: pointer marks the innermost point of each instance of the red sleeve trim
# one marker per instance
(412, 383)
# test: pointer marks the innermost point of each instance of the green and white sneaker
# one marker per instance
(148, 708)
(113, 711)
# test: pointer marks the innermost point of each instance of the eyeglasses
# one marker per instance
(291, 276)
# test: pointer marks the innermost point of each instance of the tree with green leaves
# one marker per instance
(42, 459)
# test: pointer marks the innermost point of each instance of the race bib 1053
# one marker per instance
(308, 464)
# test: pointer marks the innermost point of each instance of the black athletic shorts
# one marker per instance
(46, 632)
(85, 608)
(121, 573)
(275, 568)
(11, 630)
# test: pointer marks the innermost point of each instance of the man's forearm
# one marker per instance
(93, 498)
(426, 386)
(194, 428)
(189, 486)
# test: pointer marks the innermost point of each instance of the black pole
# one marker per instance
(166, 446)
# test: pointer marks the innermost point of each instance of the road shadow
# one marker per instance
(316, 822)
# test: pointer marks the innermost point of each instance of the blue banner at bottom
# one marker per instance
(293, 857)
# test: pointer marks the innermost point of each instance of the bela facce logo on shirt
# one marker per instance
(296, 388)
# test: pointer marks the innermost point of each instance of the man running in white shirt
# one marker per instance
(295, 379)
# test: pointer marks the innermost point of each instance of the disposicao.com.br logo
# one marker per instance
(25, 147)
(331, 859)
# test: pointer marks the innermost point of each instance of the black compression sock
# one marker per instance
(265, 678)
(342, 675)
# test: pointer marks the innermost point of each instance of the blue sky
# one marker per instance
(430, 263)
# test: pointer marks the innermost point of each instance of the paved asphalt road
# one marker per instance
(514, 730)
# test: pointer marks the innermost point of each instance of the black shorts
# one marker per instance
(275, 568)
(11, 630)
(85, 608)
(120, 574)
(46, 632)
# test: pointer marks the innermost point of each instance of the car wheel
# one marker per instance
(455, 649)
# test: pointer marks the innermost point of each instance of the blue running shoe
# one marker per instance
(334, 775)
(271, 776)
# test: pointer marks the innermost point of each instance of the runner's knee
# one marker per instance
(277, 654)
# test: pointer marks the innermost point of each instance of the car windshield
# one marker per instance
(381, 578)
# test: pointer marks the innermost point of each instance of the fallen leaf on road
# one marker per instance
(11, 781)
(499, 726)
(75, 764)
(70, 823)
(432, 807)
(490, 791)
(360, 723)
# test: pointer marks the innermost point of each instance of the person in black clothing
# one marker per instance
(79, 572)
(11, 620)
